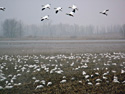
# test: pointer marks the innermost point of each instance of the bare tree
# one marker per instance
(12, 28)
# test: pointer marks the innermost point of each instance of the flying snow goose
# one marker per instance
(45, 17)
(46, 6)
(2, 8)
(104, 12)
(70, 14)
(74, 7)
(58, 9)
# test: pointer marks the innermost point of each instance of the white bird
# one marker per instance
(45, 17)
(74, 7)
(89, 83)
(116, 79)
(122, 71)
(97, 83)
(80, 81)
(34, 78)
(63, 81)
(1, 87)
(36, 81)
(83, 73)
(104, 12)
(8, 87)
(98, 80)
(104, 77)
(2, 8)
(59, 72)
(86, 76)
(39, 86)
(70, 14)
(58, 9)
(49, 83)
(43, 82)
(72, 64)
(46, 6)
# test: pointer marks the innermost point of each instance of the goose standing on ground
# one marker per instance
(70, 14)
(2, 8)
(46, 6)
(74, 7)
(45, 17)
(58, 9)
(104, 12)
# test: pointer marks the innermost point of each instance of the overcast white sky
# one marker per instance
(29, 11)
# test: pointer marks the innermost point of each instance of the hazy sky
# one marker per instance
(29, 11)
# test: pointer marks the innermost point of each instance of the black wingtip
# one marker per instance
(74, 10)
(56, 12)
(43, 9)
(42, 19)
(107, 10)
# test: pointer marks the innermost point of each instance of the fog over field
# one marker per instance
(23, 19)
(61, 46)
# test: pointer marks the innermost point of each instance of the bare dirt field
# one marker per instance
(62, 67)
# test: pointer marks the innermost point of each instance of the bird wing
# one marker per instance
(56, 11)
(104, 11)
(59, 8)
(74, 10)
(107, 10)
(71, 13)
(74, 7)
(47, 6)
(43, 8)
(1, 8)
(46, 17)
(42, 19)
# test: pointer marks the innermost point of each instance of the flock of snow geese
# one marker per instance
(74, 8)
(48, 6)
(90, 69)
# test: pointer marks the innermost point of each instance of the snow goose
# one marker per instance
(49, 83)
(45, 17)
(46, 6)
(89, 83)
(58, 9)
(63, 81)
(39, 86)
(74, 8)
(70, 14)
(2, 8)
(104, 12)
(1, 87)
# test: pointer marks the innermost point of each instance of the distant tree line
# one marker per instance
(12, 28)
